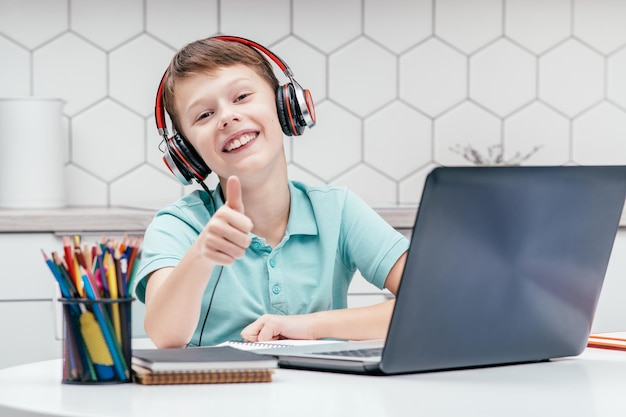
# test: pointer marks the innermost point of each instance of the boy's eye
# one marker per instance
(242, 97)
(205, 115)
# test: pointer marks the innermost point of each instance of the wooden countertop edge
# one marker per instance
(81, 220)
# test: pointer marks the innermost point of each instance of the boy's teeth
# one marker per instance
(237, 143)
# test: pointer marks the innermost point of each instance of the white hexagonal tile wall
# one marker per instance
(551, 22)
(154, 155)
(15, 80)
(410, 189)
(362, 76)
(33, 22)
(571, 77)
(107, 140)
(131, 189)
(615, 79)
(107, 23)
(71, 69)
(433, 77)
(372, 186)
(503, 77)
(307, 64)
(298, 174)
(468, 25)
(328, 30)
(136, 69)
(171, 21)
(332, 146)
(598, 136)
(600, 23)
(273, 13)
(537, 126)
(577, 117)
(397, 140)
(397, 24)
(465, 125)
(83, 188)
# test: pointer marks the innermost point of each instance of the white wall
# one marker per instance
(398, 84)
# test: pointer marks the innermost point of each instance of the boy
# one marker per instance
(260, 257)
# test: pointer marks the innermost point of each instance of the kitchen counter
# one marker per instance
(81, 220)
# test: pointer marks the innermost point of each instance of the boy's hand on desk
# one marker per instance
(226, 236)
(275, 327)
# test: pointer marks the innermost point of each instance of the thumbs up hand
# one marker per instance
(233, 194)
(226, 235)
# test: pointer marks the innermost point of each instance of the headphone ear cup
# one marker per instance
(183, 160)
(288, 110)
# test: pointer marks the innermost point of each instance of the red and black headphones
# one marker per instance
(295, 107)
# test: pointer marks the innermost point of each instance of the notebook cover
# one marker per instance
(201, 359)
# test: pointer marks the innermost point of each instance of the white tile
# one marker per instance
(468, 25)
(433, 77)
(411, 188)
(15, 80)
(107, 140)
(107, 23)
(180, 22)
(537, 126)
(466, 125)
(297, 173)
(503, 77)
(307, 64)
(571, 77)
(153, 145)
(264, 22)
(372, 186)
(327, 24)
(616, 79)
(145, 188)
(83, 189)
(362, 76)
(398, 24)
(71, 69)
(551, 22)
(600, 23)
(332, 146)
(598, 136)
(33, 22)
(136, 69)
(397, 140)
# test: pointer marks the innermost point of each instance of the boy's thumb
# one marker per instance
(233, 194)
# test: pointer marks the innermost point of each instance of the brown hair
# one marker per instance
(206, 56)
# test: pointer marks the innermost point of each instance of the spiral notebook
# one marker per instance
(505, 266)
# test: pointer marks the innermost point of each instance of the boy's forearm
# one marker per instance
(359, 323)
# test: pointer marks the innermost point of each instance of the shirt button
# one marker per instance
(272, 262)
(276, 289)
(256, 245)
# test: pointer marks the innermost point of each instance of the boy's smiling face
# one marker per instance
(230, 118)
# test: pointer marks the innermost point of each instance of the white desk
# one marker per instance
(593, 384)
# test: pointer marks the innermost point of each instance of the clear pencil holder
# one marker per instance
(97, 340)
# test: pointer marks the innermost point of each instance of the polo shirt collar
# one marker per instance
(301, 216)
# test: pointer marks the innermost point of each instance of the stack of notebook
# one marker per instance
(201, 365)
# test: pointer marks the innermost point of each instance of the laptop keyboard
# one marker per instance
(355, 353)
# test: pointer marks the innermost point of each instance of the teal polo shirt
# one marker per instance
(330, 234)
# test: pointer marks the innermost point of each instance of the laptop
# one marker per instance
(505, 266)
